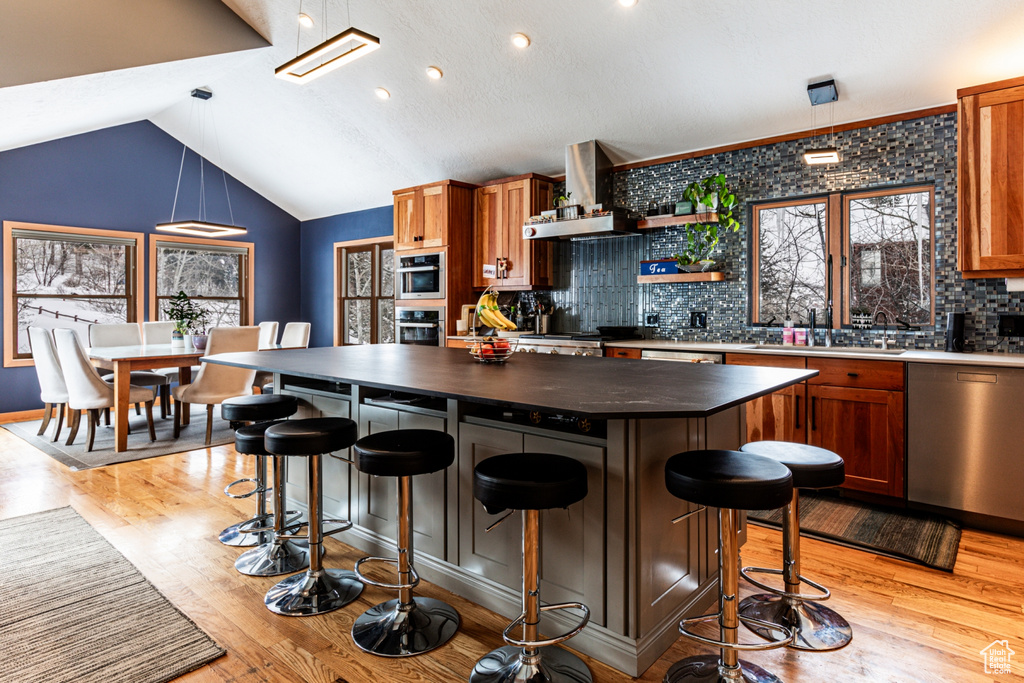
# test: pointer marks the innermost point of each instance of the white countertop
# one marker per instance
(996, 359)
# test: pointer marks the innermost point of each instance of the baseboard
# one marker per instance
(21, 416)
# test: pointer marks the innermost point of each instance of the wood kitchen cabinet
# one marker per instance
(613, 352)
(433, 215)
(853, 407)
(990, 185)
(501, 209)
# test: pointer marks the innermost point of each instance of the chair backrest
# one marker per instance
(157, 332)
(114, 334)
(268, 335)
(52, 388)
(85, 388)
(295, 336)
(223, 380)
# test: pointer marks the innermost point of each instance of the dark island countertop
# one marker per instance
(591, 387)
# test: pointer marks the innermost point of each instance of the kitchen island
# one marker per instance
(616, 551)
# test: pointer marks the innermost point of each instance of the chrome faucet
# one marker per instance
(885, 329)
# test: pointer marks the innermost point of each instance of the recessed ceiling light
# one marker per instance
(627, 3)
(305, 20)
(434, 72)
(382, 93)
(521, 40)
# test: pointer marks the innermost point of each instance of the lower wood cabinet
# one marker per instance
(572, 563)
(779, 416)
(613, 352)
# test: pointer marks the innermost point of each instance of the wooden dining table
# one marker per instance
(124, 359)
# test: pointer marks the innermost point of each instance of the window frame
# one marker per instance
(376, 245)
(837, 226)
(134, 298)
(247, 287)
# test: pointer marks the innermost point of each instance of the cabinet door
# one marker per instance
(337, 473)
(488, 244)
(408, 220)
(572, 541)
(496, 555)
(435, 217)
(991, 183)
(295, 468)
(780, 416)
(375, 498)
(865, 427)
(429, 496)
(515, 209)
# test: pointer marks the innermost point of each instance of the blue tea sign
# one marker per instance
(663, 267)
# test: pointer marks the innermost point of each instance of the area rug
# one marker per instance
(75, 609)
(139, 445)
(918, 537)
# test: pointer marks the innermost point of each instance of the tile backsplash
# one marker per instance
(597, 278)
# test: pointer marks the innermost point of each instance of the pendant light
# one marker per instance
(355, 43)
(200, 226)
(824, 92)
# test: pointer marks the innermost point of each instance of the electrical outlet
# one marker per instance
(651, 319)
(1011, 325)
(699, 319)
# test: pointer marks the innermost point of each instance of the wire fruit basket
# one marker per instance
(492, 349)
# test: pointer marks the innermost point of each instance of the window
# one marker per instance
(364, 292)
(58, 276)
(217, 274)
(879, 244)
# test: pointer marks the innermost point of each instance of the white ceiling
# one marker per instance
(664, 77)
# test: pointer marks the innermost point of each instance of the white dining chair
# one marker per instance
(268, 335)
(53, 392)
(294, 336)
(129, 334)
(216, 383)
(87, 390)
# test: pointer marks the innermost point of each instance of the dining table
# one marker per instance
(122, 360)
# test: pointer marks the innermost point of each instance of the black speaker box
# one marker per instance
(955, 332)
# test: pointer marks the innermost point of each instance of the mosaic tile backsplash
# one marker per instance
(597, 278)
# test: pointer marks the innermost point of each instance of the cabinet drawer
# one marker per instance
(765, 361)
(865, 374)
(622, 353)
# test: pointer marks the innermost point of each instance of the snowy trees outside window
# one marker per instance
(366, 305)
(215, 276)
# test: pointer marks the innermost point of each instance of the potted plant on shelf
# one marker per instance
(702, 237)
(188, 317)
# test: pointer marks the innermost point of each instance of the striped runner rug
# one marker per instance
(926, 539)
(75, 609)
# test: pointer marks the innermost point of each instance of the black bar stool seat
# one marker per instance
(259, 408)
(409, 625)
(730, 481)
(317, 590)
(531, 482)
(249, 439)
(815, 627)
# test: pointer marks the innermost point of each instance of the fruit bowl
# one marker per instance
(492, 349)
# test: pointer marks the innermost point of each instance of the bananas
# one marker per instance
(489, 313)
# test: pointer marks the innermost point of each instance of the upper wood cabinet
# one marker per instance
(990, 186)
(502, 207)
(432, 215)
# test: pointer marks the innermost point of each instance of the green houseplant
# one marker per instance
(188, 317)
(702, 237)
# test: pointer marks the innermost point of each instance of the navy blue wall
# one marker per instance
(123, 178)
(318, 238)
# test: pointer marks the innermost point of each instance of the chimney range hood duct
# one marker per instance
(588, 176)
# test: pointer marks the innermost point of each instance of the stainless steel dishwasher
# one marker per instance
(682, 356)
(965, 429)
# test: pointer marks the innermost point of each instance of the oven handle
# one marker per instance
(401, 324)
(418, 269)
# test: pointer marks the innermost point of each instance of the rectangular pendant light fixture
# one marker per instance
(292, 71)
(201, 229)
(828, 155)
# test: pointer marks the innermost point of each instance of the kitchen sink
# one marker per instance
(833, 349)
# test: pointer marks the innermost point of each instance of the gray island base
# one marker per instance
(616, 551)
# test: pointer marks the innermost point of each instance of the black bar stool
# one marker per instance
(317, 590)
(730, 481)
(407, 625)
(531, 482)
(815, 627)
(237, 411)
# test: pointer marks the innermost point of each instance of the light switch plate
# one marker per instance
(651, 319)
(699, 319)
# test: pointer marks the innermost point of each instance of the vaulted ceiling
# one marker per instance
(663, 77)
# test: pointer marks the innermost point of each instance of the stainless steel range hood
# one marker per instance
(588, 177)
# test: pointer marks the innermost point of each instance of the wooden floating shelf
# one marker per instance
(713, 276)
(669, 221)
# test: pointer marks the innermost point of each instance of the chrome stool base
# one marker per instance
(310, 593)
(706, 669)
(815, 627)
(392, 629)
(549, 665)
(274, 558)
(238, 536)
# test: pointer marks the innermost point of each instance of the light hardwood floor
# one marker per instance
(910, 623)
